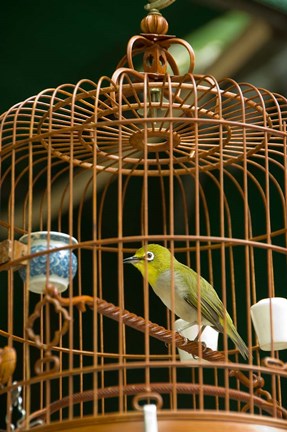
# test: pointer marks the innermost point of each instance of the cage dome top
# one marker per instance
(150, 117)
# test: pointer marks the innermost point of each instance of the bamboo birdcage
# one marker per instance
(148, 156)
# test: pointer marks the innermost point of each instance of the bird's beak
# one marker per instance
(131, 260)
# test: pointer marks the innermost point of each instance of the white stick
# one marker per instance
(150, 418)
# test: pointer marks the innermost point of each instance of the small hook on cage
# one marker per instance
(48, 364)
(274, 363)
(158, 4)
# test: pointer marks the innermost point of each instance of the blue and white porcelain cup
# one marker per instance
(56, 268)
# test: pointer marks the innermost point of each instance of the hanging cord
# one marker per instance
(158, 4)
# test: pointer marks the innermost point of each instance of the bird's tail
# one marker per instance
(238, 341)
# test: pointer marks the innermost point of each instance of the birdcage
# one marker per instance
(90, 173)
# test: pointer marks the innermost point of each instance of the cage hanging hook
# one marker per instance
(158, 4)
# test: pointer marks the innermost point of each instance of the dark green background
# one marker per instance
(46, 44)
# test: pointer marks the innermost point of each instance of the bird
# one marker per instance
(154, 263)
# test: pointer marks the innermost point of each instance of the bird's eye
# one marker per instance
(149, 256)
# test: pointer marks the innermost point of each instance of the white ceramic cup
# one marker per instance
(269, 317)
(209, 337)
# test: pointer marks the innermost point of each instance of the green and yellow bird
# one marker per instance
(156, 260)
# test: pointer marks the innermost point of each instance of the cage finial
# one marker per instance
(154, 43)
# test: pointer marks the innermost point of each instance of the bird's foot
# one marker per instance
(196, 339)
(199, 334)
(203, 344)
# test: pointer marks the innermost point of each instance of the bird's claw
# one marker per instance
(203, 345)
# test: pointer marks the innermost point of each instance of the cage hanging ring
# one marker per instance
(143, 397)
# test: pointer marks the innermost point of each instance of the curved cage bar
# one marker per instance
(196, 165)
(186, 118)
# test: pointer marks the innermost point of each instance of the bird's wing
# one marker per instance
(212, 308)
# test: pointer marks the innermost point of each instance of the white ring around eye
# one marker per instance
(149, 256)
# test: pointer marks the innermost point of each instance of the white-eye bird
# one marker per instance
(156, 260)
